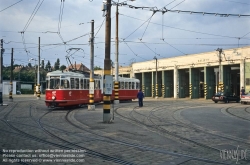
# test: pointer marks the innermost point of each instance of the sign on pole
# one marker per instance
(92, 88)
(108, 84)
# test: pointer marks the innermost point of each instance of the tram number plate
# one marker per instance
(217, 98)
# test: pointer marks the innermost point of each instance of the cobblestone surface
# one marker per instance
(164, 131)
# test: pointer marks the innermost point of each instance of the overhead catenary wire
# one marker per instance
(133, 51)
(182, 28)
(164, 10)
(147, 25)
(173, 47)
(32, 15)
(137, 28)
(150, 48)
(10, 6)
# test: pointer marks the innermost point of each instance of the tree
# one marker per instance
(63, 67)
(42, 64)
(57, 64)
(29, 65)
(48, 66)
(97, 68)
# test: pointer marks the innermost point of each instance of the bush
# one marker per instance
(27, 91)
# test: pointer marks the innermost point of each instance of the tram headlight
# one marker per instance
(53, 97)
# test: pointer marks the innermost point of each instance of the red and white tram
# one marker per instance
(72, 89)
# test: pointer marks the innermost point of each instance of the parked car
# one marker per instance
(225, 97)
(245, 98)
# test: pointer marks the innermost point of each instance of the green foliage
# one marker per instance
(48, 66)
(63, 67)
(27, 91)
(57, 64)
(42, 64)
(97, 68)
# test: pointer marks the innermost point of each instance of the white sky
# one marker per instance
(186, 33)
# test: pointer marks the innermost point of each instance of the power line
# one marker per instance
(181, 28)
(11, 5)
(176, 5)
(137, 28)
(133, 51)
(32, 15)
(147, 25)
(173, 47)
(164, 10)
(237, 2)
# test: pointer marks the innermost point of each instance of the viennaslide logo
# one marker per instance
(234, 154)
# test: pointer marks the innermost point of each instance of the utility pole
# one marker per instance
(156, 81)
(91, 105)
(11, 76)
(220, 71)
(38, 72)
(116, 87)
(1, 73)
(108, 78)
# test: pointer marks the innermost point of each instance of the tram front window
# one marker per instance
(54, 83)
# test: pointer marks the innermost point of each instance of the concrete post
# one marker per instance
(242, 74)
(176, 83)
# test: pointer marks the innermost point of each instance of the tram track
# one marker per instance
(150, 127)
(133, 145)
(32, 137)
(236, 116)
(103, 138)
(211, 132)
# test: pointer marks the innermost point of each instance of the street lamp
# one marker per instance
(156, 81)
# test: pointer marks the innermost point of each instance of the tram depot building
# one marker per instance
(193, 76)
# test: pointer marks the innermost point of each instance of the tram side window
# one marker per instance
(47, 84)
(126, 85)
(64, 84)
(133, 85)
(121, 85)
(72, 83)
(81, 83)
(137, 85)
(77, 83)
(85, 83)
(130, 85)
(97, 84)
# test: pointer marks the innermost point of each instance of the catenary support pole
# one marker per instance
(11, 76)
(91, 105)
(1, 73)
(116, 87)
(221, 85)
(38, 72)
(156, 80)
(107, 65)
